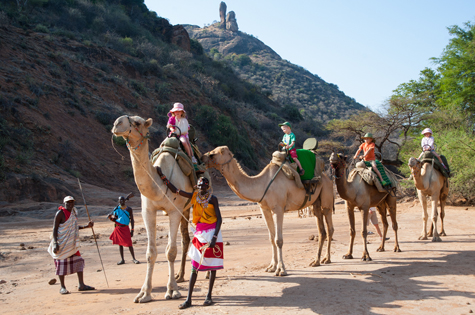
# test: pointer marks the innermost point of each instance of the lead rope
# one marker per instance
(202, 248)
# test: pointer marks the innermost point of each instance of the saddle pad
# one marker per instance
(382, 171)
(307, 160)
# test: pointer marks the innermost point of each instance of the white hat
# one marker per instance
(427, 130)
(68, 198)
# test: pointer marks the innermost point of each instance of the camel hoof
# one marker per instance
(314, 263)
(381, 249)
(271, 268)
(142, 297)
(281, 272)
(423, 238)
(326, 261)
(442, 234)
(430, 235)
(436, 239)
(348, 256)
(396, 249)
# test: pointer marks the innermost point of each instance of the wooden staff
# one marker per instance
(89, 217)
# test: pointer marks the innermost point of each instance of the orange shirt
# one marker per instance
(365, 147)
(201, 215)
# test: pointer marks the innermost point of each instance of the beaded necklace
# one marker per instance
(203, 200)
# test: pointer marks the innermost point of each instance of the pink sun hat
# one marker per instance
(176, 108)
(427, 130)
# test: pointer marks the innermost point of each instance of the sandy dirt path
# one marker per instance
(424, 278)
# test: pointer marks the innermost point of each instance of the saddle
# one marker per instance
(429, 157)
(173, 145)
(311, 163)
(369, 176)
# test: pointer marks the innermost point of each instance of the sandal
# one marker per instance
(302, 172)
(136, 261)
(184, 305)
(208, 302)
(63, 291)
(86, 288)
(121, 262)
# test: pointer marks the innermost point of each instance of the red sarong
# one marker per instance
(121, 235)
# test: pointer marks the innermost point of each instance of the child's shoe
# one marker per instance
(193, 160)
(302, 172)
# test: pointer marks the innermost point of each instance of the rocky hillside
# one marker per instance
(284, 82)
(70, 68)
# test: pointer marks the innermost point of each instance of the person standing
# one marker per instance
(207, 218)
(65, 244)
(122, 216)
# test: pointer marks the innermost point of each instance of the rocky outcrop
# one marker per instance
(222, 14)
(181, 38)
(231, 23)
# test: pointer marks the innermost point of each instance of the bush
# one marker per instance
(105, 118)
(40, 28)
(139, 87)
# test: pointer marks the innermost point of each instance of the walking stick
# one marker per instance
(94, 234)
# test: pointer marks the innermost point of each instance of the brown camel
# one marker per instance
(430, 182)
(359, 194)
(283, 195)
(135, 130)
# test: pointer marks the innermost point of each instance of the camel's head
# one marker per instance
(132, 128)
(414, 164)
(338, 160)
(218, 156)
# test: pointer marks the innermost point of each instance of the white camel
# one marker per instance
(430, 182)
(135, 130)
(283, 195)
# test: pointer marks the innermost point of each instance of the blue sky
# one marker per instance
(366, 47)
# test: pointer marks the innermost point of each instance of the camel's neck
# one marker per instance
(421, 177)
(345, 189)
(244, 186)
(144, 173)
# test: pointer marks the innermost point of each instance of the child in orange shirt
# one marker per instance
(368, 154)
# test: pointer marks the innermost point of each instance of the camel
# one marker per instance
(359, 194)
(283, 195)
(135, 130)
(430, 182)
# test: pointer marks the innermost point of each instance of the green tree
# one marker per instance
(457, 71)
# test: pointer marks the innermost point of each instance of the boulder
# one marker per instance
(231, 22)
(181, 38)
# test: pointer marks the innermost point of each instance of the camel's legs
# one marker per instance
(271, 228)
(322, 234)
(382, 213)
(443, 199)
(425, 216)
(150, 220)
(171, 251)
(328, 213)
(350, 210)
(434, 201)
(392, 212)
(185, 243)
(364, 233)
(279, 241)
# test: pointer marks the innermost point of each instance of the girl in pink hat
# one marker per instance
(177, 118)
(427, 144)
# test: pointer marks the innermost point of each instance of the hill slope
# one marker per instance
(285, 82)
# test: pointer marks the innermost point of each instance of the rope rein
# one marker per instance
(216, 251)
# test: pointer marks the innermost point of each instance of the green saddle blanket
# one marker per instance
(308, 160)
(380, 167)
(427, 157)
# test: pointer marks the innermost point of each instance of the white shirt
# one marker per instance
(428, 142)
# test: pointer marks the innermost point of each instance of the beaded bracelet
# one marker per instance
(214, 236)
